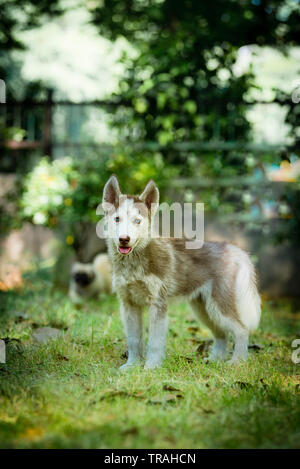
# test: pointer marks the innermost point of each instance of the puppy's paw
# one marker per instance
(128, 366)
(236, 361)
(151, 365)
(213, 359)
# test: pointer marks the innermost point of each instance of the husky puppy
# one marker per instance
(218, 279)
(88, 280)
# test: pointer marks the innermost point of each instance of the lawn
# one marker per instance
(68, 393)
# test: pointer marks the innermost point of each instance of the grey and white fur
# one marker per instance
(218, 279)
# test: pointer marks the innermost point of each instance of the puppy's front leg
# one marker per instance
(157, 334)
(132, 319)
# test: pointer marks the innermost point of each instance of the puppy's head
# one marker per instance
(129, 217)
(82, 274)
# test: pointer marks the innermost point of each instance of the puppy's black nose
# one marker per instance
(83, 279)
(124, 239)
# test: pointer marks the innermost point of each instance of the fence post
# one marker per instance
(47, 125)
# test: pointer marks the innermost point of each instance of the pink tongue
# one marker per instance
(124, 250)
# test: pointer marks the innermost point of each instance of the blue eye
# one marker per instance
(137, 221)
(117, 219)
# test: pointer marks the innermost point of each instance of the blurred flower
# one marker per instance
(247, 198)
(47, 186)
(250, 161)
(57, 199)
(284, 210)
(44, 199)
(39, 218)
(70, 240)
(50, 180)
(188, 196)
(68, 201)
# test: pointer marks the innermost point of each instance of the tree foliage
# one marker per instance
(17, 15)
(181, 85)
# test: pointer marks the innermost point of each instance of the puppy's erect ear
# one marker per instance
(111, 193)
(150, 196)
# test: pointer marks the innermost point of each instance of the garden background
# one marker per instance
(204, 98)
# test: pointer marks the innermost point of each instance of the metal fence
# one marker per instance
(65, 134)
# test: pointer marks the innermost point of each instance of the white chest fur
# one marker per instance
(134, 285)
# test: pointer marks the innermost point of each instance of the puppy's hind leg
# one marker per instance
(219, 348)
(241, 338)
(248, 309)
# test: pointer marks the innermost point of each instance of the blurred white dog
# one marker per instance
(91, 279)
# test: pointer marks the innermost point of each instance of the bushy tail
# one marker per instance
(248, 299)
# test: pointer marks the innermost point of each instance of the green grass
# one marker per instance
(69, 393)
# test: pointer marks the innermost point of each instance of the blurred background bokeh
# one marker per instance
(204, 97)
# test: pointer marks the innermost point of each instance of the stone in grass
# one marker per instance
(42, 335)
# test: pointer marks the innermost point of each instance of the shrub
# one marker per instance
(67, 191)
